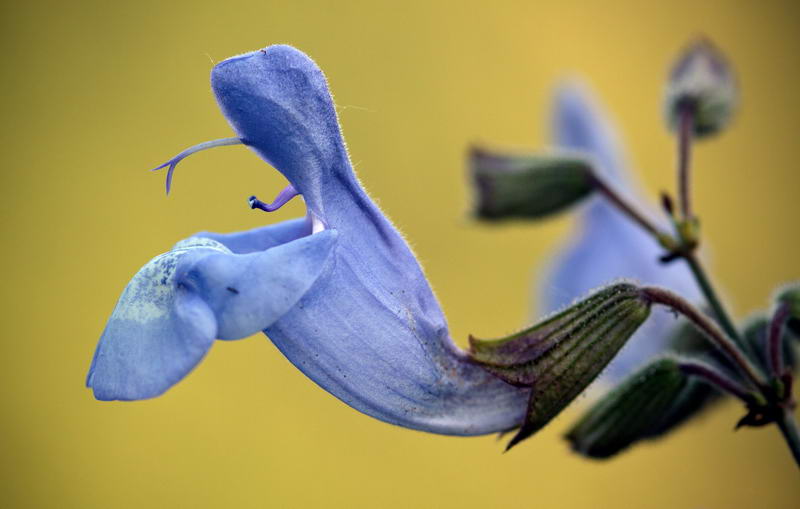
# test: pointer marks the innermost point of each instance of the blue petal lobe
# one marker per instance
(179, 302)
(158, 331)
(247, 293)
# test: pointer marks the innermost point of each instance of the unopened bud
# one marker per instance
(702, 85)
(630, 412)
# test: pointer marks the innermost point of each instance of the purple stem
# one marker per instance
(708, 327)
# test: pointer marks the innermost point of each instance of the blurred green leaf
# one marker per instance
(527, 186)
(559, 357)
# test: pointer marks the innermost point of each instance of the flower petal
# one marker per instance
(579, 124)
(370, 331)
(277, 101)
(179, 302)
(379, 354)
(158, 331)
(347, 302)
(247, 293)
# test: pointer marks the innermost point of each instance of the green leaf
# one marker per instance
(527, 186)
(559, 357)
(639, 407)
(702, 80)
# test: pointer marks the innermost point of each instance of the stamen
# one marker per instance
(283, 197)
(172, 163)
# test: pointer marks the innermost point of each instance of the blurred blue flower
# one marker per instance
(606, 244)
(339, 292)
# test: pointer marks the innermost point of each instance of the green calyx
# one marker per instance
(527, 186)
(560, 356)
(641, 407)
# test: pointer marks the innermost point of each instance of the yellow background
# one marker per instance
(95, 93)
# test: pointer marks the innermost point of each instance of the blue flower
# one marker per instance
(339, 292)
(606, 244)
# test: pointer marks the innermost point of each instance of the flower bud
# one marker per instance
(630, 412)
(702, 84)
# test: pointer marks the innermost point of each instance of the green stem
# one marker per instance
(684, 158)
(775, 339)
(694, 264)
(711, 295)
(791, 434)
